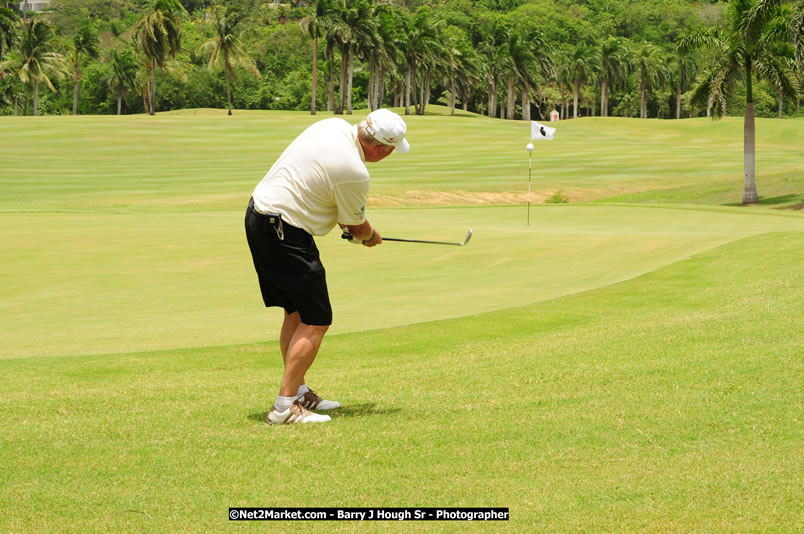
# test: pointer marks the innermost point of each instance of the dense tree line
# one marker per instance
(511, 59)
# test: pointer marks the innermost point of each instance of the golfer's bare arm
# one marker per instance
(364, 232)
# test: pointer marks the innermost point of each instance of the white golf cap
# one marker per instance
(388, 128)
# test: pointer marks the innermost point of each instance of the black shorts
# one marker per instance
(290, 271)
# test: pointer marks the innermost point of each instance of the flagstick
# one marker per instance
(530, 160)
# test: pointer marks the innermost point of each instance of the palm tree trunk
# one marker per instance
(36, 97)
(426, 99)
(152, 97)
(420, 95)
(511, 99)
(75, 88)
(380, 86)
(604, 98)
(228, 89)
(452, 96)
(678, 100)
(331, 86)
(373, 86)
(407, 89)
(781, 102)
(525, 104)
(381, 81)
(417, 84)
(349, 82)
(492, 97)
(750, 195)
(576, 94)
(643, 108)
(370, 89)
(342, 88)
(315, 75)
(16, 103)
(119, 104)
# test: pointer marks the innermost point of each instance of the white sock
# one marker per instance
(302, 390)
(283, 403)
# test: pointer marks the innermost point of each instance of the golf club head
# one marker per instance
(467, 238)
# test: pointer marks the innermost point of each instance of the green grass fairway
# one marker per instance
(122, 282)
(665, 403)
(630, 361)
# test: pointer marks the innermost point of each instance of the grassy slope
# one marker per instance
(664, 403)
(210, 161)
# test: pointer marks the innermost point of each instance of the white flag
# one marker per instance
(540, 131)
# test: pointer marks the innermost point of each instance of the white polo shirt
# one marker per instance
(320, 180)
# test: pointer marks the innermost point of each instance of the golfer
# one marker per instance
(318, 182)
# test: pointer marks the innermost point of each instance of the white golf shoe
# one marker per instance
(295, 414)
(311, 401)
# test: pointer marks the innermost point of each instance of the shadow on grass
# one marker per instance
(772, 201)
(354, 410)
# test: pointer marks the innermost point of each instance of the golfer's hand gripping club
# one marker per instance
(374, 240)
(348, 237)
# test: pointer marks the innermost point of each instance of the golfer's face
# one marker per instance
(376, 153)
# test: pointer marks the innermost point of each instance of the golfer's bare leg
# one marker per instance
(301, 352)
(289, 326)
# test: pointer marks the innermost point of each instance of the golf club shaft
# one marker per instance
(347, 235)
(420, 241)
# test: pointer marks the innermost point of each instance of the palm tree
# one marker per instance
(517, 68)
(685, 69)
(315, 25)
(224, 49)
(613, 60)
(431, 58)
(334, 29)
(385, 57)
(469, 71)
(124, 74)
(797, 31)
(651, 73)
(158, 33)
(779, 69)
(463, 65)
(9, 24)
(538, 63)
(348, 27)
(421, 43)
(583, 67)
(742, 46)
(494, 51)
(369, 46)
(38, 62)
(563, 80)
(85, 42)
(797, 37)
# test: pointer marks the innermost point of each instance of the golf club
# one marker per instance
(347, 235)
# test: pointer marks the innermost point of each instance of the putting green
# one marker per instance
(83, 283)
